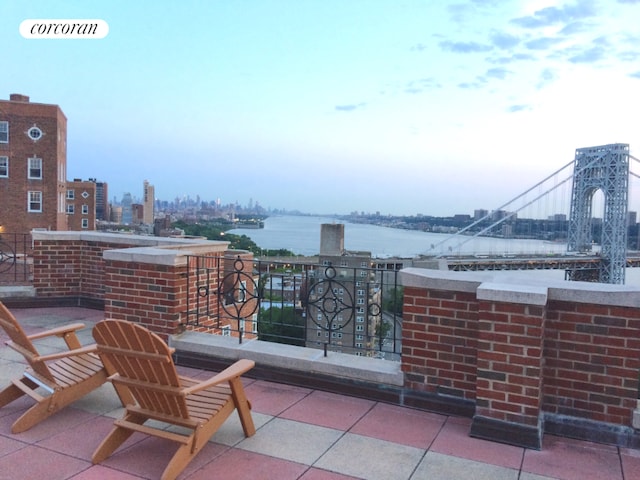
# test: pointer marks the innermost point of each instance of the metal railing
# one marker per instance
(16, 259)
(336, 308)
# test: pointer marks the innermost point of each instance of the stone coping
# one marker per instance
(520, 288)
(123, 238)
(278, 355)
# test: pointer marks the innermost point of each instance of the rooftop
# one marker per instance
(302, 433)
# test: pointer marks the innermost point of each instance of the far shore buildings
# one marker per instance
(34, 191)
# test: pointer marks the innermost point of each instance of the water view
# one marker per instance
(301, 235)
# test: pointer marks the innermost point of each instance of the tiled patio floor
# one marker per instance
(301, 434)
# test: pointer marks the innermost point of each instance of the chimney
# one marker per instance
(17, 97)
(332, 239)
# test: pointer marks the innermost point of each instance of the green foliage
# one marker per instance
(393, 301)
(281, 325)
(216, 230)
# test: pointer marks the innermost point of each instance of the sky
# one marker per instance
(330, 106)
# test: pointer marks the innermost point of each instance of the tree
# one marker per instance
(394, 300)
(281, 325)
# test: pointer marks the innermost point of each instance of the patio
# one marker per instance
(301, 434)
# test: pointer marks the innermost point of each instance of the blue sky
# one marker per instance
(402, 107)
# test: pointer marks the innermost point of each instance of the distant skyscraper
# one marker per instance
(148, 202)
(127, 213)
(102, 200)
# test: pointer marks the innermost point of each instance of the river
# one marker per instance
(301, 235)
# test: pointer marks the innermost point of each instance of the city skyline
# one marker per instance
(333, 107)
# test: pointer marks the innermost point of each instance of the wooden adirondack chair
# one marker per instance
(65, 376)
(144, 366)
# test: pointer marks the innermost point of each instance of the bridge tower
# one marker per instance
(604, 168)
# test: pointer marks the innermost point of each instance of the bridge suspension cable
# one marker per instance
(511, 214)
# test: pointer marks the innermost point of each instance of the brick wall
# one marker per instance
(563, 357)
(439, 341)
(592, 354)
(137, 278)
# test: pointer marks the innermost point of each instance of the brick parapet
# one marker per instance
(557, 351)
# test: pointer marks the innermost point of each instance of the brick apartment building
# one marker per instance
(33, 165)
(34, 192)
(81, 205)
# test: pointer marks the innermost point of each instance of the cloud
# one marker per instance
(576, 27)
(546, 77)
(479, 83)
(464, 47)
(504, 40)
(542, 43)
(516, 57)
(550, 16)
(349, 108)
(500, 73)
(518, 108)
(635, 74)
(422, 84)
(590, 55)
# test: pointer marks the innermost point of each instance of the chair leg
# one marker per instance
(9, 394)
(33, 416)
(179, 461)
(243, 406)
(117, 436)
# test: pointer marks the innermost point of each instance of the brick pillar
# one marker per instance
(511, 321)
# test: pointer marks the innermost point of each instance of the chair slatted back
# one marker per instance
(144, 365)
(21, 343)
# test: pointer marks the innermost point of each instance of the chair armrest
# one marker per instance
(58, 332)
(229, 373)
(67, 353)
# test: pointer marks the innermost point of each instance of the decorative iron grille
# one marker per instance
(334, 308)
(15, 258)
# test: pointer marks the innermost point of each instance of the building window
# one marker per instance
(359, 319)
(71, 194)
(34, 133)
(85, 223)
(4, 167)
(226, 331)
(359, 328)
(85, 209)
(4, 132)
(35, 202)
(71, 209)
(34, 168)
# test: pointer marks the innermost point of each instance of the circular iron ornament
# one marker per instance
(238, 265)
(322, 296)
(203, 290)
(374, 310)
(7, 257)
(238, 294)
(330, 273)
